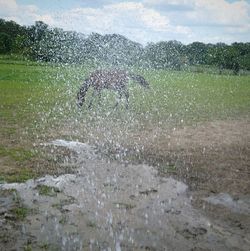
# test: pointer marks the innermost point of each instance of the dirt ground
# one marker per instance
(184, 189)
(216, 155)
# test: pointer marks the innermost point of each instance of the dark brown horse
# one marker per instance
(116, 80)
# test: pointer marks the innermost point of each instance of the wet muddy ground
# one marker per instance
(188, 189)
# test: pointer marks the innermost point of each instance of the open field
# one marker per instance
(38, 104)
(193, 127)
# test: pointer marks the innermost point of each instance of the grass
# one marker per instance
(20, 213)
(17, 175)
(17, 154)
(16, 211)
(126, 206)
(47, 190)
(16, 158)
(183, 97)
(91, 224)
(166, 169)
(37, 96)
(38, 104)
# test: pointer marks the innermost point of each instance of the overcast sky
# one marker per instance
(144, 21)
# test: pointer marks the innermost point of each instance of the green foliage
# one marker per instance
(40, 42)
(5, 43)
(13, 37)
(164, 55)
(197, 53)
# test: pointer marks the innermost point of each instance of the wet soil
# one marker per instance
(186, 189)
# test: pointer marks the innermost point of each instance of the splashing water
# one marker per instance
(112, 206)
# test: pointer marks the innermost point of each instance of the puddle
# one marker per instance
(112, 206)
(238, 206)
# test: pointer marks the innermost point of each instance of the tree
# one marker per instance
(165, 55)
(197, 53)
(10, 31)
(40, 42)
(5, 43)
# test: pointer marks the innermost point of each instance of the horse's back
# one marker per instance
(108, 79)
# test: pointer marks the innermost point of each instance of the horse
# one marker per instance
(116, 80)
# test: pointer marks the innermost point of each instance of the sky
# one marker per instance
(143, 21)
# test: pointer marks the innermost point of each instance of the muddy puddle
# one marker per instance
(107, 205)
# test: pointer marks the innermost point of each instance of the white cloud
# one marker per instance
(109, 18)
(23, 14)
(8, 6)
(167, 2)
(154, 20)
(204, 12)
(148, 17)
(145, 21)
(220, 12)
(128, 18)
(209, 20)
(124, 6)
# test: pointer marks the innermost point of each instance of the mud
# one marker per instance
(113, 205)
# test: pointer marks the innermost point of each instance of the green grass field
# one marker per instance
(38, 104)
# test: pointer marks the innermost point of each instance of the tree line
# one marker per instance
(43, 43)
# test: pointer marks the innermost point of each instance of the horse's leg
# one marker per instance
(94, 93)
(99, 98)
(121, 93)
(119, 99)
(126, 93)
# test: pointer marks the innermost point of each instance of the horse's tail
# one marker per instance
(139, 79)
(82, 92)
